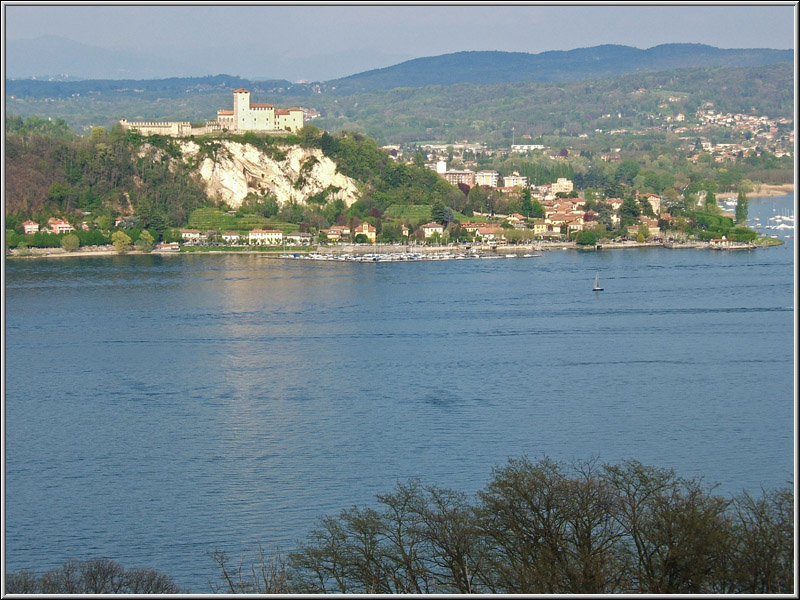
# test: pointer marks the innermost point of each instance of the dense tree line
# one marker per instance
(95, 576)
(542, 527)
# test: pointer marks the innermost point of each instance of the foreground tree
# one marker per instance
(542, 528)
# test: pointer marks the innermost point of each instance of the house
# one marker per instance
(429, 229)
(651, 224)
(191, 235)
(231, 237)
(472, 227)
(722, 242)
(168, 247)
(336, 233)
(490, 233)
(368, 230)
(265, 237)
(550, 229)
(654, 200)
(404, 230)
(515, 218)
(30, 227)
(298, 238)
(60, 226)
(567, 221)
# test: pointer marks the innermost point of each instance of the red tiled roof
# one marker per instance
(261, 106)
(224, 112)
(241, 91)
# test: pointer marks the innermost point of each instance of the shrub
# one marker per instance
(586, 238)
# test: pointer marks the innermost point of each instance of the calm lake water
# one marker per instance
(158, 408)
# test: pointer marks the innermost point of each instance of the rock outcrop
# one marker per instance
(239, 169)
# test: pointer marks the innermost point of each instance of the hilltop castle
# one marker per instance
(244, 117)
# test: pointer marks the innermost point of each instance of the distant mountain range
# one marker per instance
(55, 57)
(598, 62)
(482, 68)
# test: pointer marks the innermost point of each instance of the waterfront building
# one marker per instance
(191, 235)
(231, 237)
(368, 230)
(265, 237)
(336, 233)
(30, 227)
(298, 238)
(429, 229)
(60, 226)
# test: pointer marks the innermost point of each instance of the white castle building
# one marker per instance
(245, 116)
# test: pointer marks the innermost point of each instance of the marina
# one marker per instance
(403, 256)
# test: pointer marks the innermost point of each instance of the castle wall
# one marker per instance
(243, 117)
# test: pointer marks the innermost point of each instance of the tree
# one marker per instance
(145, 242)
(626, 171)
(527, 206)
(586, 238)
(629, 211)
(742, 207)
(121, 241)
(537, 210)
(94, 576)
(70, 242)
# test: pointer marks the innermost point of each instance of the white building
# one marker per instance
(266, 237)
(489, 178)
(245, 116)
(563, 185)
(515, 180)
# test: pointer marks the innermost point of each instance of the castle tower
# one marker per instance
(241, 108)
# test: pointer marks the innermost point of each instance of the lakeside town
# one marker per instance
(505, 210)
(499, 236)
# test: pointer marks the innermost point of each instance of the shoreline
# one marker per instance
(769, 191)
(763, 191)
(378, 249)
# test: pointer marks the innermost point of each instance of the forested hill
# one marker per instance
(145, 89)
(556, 66)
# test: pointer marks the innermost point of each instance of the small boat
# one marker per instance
(597, 287)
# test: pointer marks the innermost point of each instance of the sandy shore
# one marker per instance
(770, 191)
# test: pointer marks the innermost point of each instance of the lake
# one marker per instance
(160, 407)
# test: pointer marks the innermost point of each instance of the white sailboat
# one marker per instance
(597, 287)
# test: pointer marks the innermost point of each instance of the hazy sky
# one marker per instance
(354, 38)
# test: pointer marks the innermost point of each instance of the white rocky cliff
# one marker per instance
(239, 169)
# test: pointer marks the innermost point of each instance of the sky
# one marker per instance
(303, 41)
